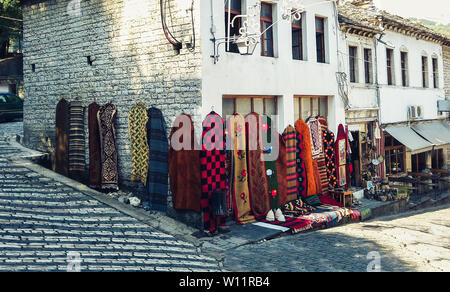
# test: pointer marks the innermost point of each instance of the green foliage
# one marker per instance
(437, 27)
(8, 28)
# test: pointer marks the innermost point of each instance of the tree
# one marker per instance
(9, 27)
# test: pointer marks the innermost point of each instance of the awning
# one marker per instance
(410, 139)
(437, 133)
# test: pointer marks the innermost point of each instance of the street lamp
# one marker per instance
(245, 45)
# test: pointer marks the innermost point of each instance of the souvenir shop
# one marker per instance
(243, 169)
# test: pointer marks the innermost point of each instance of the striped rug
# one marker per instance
(290, 139)
(77, 160)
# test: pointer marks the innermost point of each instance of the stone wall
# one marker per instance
(446, 57)
(132, 61)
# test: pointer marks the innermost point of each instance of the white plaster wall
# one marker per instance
(360, 94)
(280, 76)
(395, 99)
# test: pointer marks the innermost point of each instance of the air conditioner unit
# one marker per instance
(419, 111)
(415, 112)
(412, 112)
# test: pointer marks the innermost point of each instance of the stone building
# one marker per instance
(105, 50)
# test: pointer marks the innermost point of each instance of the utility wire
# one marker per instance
(10, 18)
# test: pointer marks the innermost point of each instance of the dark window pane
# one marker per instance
(352, 53)
(320, 24)
(367, 65)
(320, 48)
(266, 10)
(236, 5)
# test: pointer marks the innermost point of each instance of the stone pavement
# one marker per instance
(48, 226)
(52, 223)
(418, 241)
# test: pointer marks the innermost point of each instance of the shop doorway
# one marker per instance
(363, 147)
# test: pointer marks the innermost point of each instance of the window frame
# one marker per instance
(263, 20)
(300, 39)
(233, 47)
(404, 68)
(435, 65)
(252, 101)
(425, 78)
(353, 60)
(368, 66)
(390, 66)
(311, 97)
(322, 43)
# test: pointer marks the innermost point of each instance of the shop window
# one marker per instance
(390, 66)
(368, 73)
(353, 63)
(424, 72)
(263, 105)
(320, 40)
(435, 73)
(419, 162)
(394, 156)
(404, 65)
(297, 39)
(267, 36)
(305, 107)
(437, 159)
(236, 9)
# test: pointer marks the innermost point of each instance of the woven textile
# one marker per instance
(340, 148)
(271, 168)
(330, 158)
(303, 129)
(321, 161)
(281, 172)
(317, 177)
(184, 166)
(313, 200)
(158, 169)
(296, 225)
(106, 117)
(212, 166)
(95, 166)
(316, 137)
(323, 178)
(77, 159)
(137, 122)
(330, 201)
(290, 140)
(240, 189)
(296, 208)
(257, 179)
(62, 138)
(301, 171)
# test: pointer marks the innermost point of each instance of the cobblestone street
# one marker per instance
(47, 226)
(408, 242)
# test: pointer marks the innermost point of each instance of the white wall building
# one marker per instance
(277, 83)
(395, 74)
